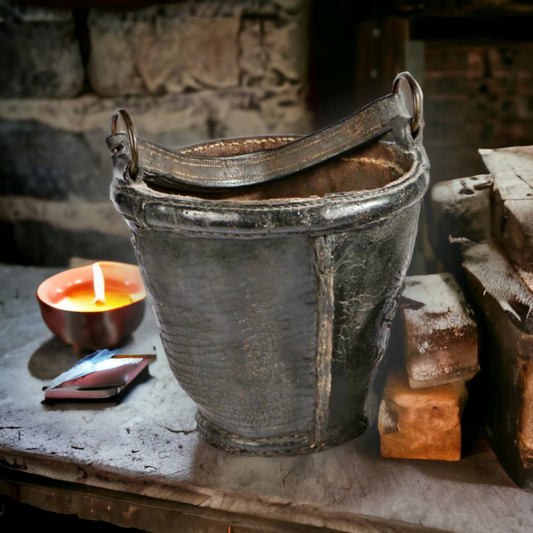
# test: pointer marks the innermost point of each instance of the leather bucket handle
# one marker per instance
(186, 170)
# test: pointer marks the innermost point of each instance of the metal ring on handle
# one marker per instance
(417, 123)
(186, 169)
(134, 164)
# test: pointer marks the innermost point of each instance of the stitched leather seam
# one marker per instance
(324, 266)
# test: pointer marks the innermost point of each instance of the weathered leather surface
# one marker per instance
(335, 211)
(237, 319)
(238, 291)
(370, 265)
(274, 306)
(189, 169)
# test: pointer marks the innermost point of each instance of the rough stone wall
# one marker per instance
(40, 53)
(185, 72)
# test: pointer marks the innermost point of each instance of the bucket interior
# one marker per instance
(367, 168)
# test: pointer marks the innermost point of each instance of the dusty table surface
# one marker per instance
(147, 445)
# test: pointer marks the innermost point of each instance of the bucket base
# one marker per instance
(285, 445)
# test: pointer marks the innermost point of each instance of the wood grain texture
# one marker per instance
(512, 201)
(505, 304)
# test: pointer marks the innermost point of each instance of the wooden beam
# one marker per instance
(505, 302)
(512, 202)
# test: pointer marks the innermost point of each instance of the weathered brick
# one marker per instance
(43, 244)
(193, 46)
(476, 65)
(435, 59)
(273, 52)
(450, 59)
(503, 85)
(55, 151)
(513, 132)
(501, 61)
(40, 54)
(475, 129)
(525, 107)
(447, 128)
(446, 85)
(157, 50)
(65, 151)
(494, 115)
(524, 83)
(446, 107)
(73, 215)
(185, 72)
(240, 114)
(440, 332)
(421, 424)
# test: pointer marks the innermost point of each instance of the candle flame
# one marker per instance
(98, 284)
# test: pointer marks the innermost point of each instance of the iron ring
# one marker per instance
(134, 164)
(417, 123)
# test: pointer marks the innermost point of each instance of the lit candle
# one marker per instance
(98, 284)
(93, 306)
(91, 295)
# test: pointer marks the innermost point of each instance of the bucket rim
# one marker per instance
(144, 206)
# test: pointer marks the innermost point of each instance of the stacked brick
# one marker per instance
(475, 96)
(420, 413)
(186, 72)
(498, 272)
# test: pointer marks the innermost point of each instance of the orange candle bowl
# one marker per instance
(68, 309)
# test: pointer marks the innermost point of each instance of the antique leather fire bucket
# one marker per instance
(274, 265)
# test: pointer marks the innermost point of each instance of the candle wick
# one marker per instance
(98, 285)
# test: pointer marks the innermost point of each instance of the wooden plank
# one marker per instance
(512, 169)
(381, 53)
(128, 510)
(506, 304)
(512, 202)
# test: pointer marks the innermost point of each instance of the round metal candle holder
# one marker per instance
(275, 265)
(93, 329)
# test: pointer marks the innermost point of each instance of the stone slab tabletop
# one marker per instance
(147, 445)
